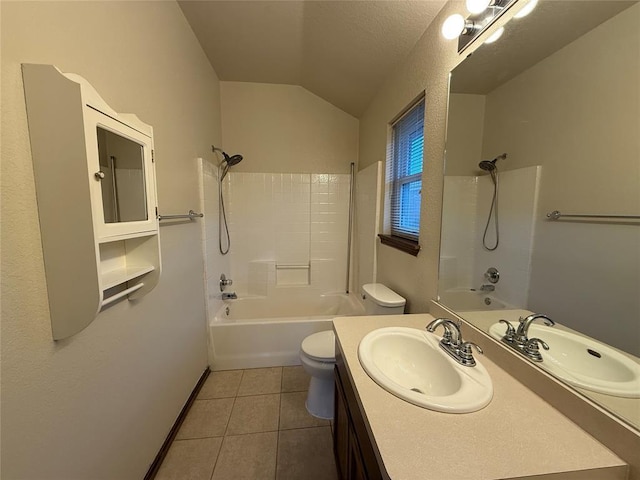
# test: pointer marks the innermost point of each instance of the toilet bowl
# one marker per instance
(318, 355)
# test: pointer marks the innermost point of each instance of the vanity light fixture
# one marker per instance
(495, 36)
(453, 26)
(527, 9)
(484, 13)
(477, 6)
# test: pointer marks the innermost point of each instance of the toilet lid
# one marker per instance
(320, 346)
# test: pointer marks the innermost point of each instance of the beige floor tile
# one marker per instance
(306, 454)
(293, 413)
(207, 418)
(248, 457)
(260, 381)
(190, 459)
(222, 384)
(295, 379)
(254, 414)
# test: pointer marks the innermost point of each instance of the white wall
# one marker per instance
(100, 404)
(286, 129)
(368, 205)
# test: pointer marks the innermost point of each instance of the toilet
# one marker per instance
(318, 351)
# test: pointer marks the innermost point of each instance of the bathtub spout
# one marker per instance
(229, 296)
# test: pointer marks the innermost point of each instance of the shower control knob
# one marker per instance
(224, 282)
(492, 275)
(99, 175)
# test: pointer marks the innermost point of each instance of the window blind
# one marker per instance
(405, 172)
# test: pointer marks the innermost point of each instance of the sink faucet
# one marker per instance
(452, 342)
(523, 328)
(519, 341)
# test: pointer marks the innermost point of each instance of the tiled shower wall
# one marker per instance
(466, 203)
(278, 219)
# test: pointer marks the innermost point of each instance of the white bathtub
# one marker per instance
(256, 332)
(466, 300)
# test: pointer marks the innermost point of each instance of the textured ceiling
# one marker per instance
(340, 50)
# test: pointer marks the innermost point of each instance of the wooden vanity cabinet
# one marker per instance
(353, 448)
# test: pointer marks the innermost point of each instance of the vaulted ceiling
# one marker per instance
(341, 50)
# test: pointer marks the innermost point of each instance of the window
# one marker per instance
(404, 178)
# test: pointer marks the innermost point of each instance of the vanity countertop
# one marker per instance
(518, 435)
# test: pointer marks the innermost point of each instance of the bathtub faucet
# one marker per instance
(487, 288)
(229, 296)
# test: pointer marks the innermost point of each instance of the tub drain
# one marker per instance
(417, 390)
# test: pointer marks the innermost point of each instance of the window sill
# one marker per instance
(408, 246)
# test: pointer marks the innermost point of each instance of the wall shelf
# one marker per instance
(114, 278)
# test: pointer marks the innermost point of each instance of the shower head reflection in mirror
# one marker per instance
(223, 228)
(490, 166)
(537, 95)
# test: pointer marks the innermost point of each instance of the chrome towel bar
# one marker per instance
(191, 215)
(555, 215)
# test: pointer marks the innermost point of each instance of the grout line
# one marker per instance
(275, 473)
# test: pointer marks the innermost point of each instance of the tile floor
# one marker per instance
(252, 425)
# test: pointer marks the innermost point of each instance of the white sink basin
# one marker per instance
(410, 364)
(582, 361)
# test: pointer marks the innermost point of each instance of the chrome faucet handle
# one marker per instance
(466, 353)
(510, 333)
(532, 350)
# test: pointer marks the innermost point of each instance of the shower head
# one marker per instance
(490, 165)
(229, 161)
(232, 160)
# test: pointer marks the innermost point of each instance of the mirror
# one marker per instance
(559, 93)
(122, 178)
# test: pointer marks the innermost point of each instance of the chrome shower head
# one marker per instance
(232, 160)
(490, 165)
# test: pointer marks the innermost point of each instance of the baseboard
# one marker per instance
(155, 466)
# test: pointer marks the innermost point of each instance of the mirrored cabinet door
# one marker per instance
(122, 176)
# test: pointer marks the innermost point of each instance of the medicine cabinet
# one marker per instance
(95, 184)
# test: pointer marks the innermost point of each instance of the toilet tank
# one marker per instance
(381, 300)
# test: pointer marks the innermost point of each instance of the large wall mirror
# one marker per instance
(559, 94)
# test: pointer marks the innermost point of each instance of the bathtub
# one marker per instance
(466, 300)
(257, 332)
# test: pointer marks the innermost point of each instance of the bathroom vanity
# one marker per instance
(518, 435)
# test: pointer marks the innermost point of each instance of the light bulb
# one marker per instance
(496, 35)
(453, 26)
(477, 6)
(527, 9)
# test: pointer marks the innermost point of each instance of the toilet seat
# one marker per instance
(320, 346)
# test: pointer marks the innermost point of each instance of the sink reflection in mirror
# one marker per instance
(537, 95)
(582, 361)
(410, 364)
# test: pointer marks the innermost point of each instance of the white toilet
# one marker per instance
(318, 354)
